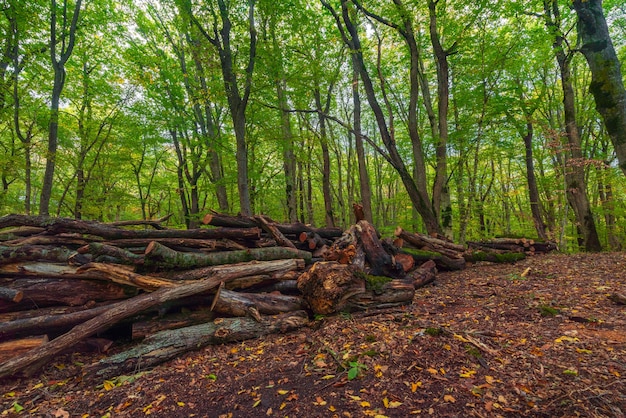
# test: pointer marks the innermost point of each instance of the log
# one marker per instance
(385, 294)
(493, 257)
(14, 348)
(204, 244)
(270, 227)
(33, 253)
(57, 225)
(421, 240)
(618, 298)
(142, 329)
(39, 292)
(122, 275)
(328, 285)
(443, 261)
(424, 274)
(216, 219)
(241, 304)
(155, 223)
(34, 359)
(49, 322)
(158, 256)
(380, 262)
(166, 345)
(124, 257)
(406, 261)
(11, 295)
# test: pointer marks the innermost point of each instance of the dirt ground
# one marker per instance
(487, 341)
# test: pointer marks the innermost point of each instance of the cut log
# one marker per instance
(421, 240)
(33, 253)
(382, 294)
(124, 256)
(34, 359)
(50, 292)
(57, 225)
(162, 257)
(142, 329)
(271, 228)
(11, 295)
(49, 322)
(442, 261)
(14, 348)
(169, 344)
(424, 274)
(406, 261)
(380, 262)
(122, 275)
(327, 286)
(216, 219)
(251, 268)
(242, 304)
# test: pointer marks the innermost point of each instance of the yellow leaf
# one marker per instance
(108, 385)
(468, 373)
(320, 401)
(180, 403)
(566, 338)
(394, 404)
(415, 385)
(489, 379)
(380, 416)
(447, 347)
(282, 391)
(38, 385)
(460, 338)
(449, 398)
(257, 403)
(282, 406)
(269, 412)
(328, 376)
(502, 399)
(386, 402)
(365, 404)
(332, 408)
(442, 370)
(432, 371)
(355, 398)
(583, 351)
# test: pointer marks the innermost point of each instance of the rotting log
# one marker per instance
(443, 261)
(162, 257)
(328, 285)
(34, 359)
(382, 294)
(155, 223)
(166, 345)
(202, 244)
(152, 325)
(421, 240)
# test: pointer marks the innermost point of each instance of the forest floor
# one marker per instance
(487, 341)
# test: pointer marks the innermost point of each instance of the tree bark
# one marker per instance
(606, 85)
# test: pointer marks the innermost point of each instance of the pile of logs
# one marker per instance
(70, 285)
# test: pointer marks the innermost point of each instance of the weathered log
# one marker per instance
(11, 295)
(152, 325)
(123, 275)
(155, 223)
(97, 248)
(424, 274)
(421, 240)
(618, 298)
(443, 261)
(240, 304)
(20, 231)
(34, 359)
(380, 262)
(406, 261)
(160, 256)
(204, 244)
(49, 322)
(168, 344)
(216, 219)
(56, 225)
(57, 240)
(49, 292)
(271, 228)
(38, 269)
(33, 253)
(14, 348)
(287, 287)
(382, 292)
(327, 286)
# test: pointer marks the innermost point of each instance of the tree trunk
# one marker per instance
(607, 85)
(533, 190)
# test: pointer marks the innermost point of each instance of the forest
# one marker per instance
(470, 119)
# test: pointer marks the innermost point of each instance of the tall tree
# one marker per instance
(574, 170)
(238, 93)
(63, 36)
(607, 85)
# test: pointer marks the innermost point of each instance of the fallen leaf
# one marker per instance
(449, 398)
